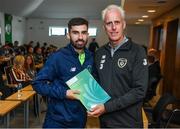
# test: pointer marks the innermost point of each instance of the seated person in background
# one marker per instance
(38, 58)
(155, 54)
(30, 50)
(30, 66)
(5, 91)
(18, 71)
(43, 48)
(93, 46)
(4, 60)
(154, 77)
(154, 67)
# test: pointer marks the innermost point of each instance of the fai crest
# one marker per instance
(122, 62)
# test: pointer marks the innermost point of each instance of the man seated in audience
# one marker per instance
(30, 50)
(154, 75)
(38, 58)
(93, 46)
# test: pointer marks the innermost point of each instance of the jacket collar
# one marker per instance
(126, 46)
(74, 53)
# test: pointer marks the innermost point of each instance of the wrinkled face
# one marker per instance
(78, 36)
(114, 25)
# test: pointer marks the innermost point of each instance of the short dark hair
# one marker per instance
(77, 21)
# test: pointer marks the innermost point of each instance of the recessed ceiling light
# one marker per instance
(140, 20)
(145, 16)
(151, 11)
(137, 22)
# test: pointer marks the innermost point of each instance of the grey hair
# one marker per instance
(110, 7)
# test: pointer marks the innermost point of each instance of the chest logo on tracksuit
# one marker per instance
(122, 62)
(103, 60)
(73, 69)
(145, 62)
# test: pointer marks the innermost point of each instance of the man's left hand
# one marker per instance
(97, 111)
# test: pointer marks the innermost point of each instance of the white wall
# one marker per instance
(139, 33)
(38, 29)
(25, 30)
(18, 29)
(2, 27)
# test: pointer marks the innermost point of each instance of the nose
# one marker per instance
(113, 26)
(80, 35)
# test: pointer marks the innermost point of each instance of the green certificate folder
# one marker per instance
(91, 93)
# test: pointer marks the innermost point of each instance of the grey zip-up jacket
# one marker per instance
(124, 77)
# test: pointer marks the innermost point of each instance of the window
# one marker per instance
(92, 31)
(56, 31)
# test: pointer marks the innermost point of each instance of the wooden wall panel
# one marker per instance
(171, 82)
(170, 54)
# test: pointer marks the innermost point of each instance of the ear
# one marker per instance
(68, 36)
(124, 25)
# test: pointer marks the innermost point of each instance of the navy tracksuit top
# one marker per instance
(50, 82)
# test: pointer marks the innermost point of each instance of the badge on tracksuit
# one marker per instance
(122, 62)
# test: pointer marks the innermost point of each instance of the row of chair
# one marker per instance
(161, 116)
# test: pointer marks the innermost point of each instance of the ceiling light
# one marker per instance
(140, 20)
(137, 22)
(151, 11)
(145, 16)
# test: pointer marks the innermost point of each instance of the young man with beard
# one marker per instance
(64, 110)
(122, 71)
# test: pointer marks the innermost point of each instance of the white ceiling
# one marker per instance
(90, 9)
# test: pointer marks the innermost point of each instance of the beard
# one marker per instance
(78, 45)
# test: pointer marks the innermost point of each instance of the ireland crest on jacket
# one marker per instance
(122, 62)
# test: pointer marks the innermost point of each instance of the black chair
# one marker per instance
(5, 91)
(1, 84)
(10, 79)
(152, 86)
(158, 114)
(0, 94)
(173, 117)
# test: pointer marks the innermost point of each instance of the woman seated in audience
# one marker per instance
(18, 71)
(30, 66)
